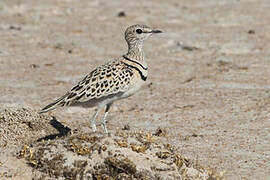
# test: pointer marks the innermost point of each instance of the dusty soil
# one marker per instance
(208, 87)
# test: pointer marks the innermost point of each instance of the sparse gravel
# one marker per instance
(208, 83)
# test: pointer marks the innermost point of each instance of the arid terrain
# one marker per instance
(204, 111)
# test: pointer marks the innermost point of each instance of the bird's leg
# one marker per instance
(93, 120)
(104, 120)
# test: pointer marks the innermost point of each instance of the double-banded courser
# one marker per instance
(117, 79)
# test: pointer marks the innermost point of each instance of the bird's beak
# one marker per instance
(156, 31)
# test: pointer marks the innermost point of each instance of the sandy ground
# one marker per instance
(209, 80)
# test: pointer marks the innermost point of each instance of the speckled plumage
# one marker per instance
(117, 79)
(107, 79)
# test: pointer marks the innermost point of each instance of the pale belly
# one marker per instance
(133, 89)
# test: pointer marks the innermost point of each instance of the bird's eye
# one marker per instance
(139, 31)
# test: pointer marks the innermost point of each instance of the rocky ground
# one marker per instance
(204, 112)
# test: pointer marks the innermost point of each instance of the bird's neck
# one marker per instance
(135, 52)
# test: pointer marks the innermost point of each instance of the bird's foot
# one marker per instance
(104, 127)
(94, 127)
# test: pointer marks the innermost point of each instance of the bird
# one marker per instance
(116, 79)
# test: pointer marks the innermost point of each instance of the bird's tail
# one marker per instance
(59, 102)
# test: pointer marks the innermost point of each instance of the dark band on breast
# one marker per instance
(145, 68)
(137, 69)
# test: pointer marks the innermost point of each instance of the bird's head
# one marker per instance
(136, 34)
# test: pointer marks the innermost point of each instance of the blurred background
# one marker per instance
(209, 76)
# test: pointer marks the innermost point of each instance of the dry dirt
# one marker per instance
(208, 87)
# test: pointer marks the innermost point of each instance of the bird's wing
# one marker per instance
(105, 80)
(108, 79)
